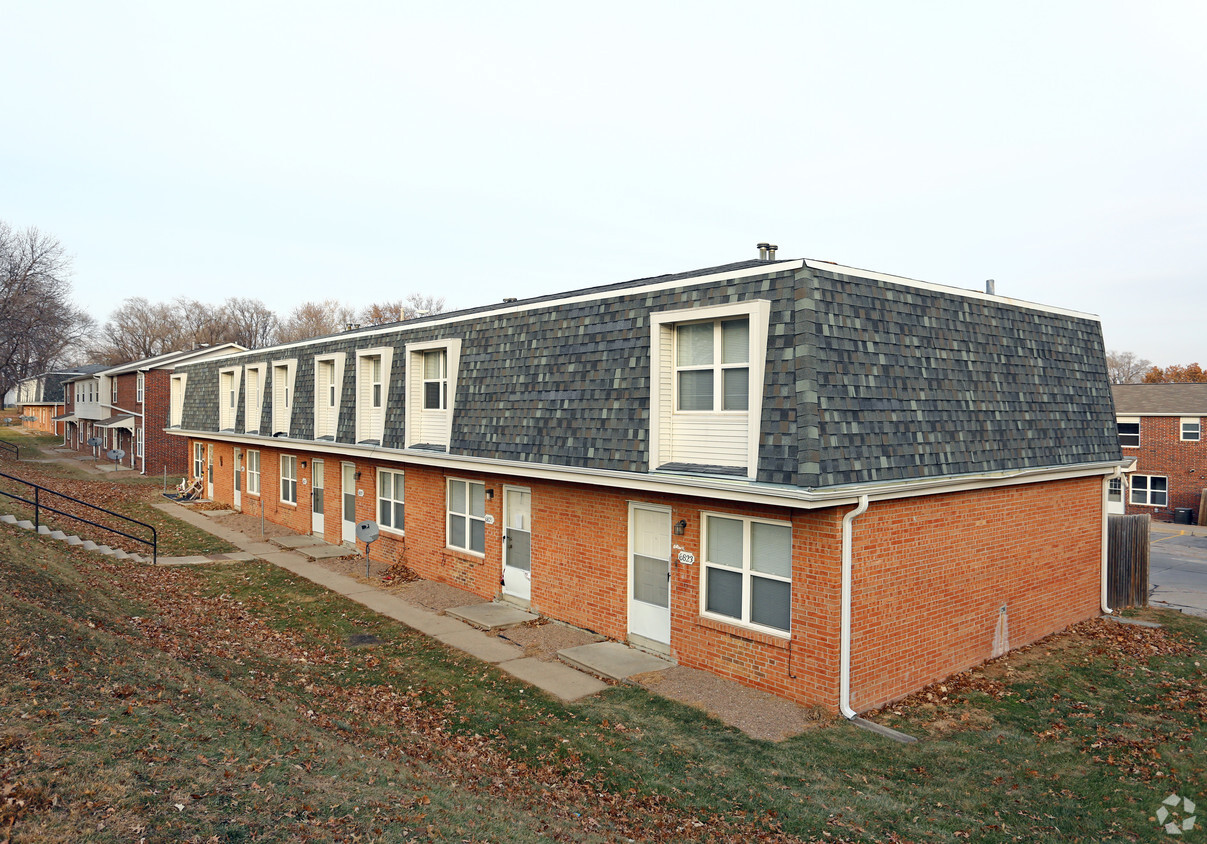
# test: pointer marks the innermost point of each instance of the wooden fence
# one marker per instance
(1127, 561)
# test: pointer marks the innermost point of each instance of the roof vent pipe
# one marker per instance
(771, 251)
(763, 247)
(989, 287)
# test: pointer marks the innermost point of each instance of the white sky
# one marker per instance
(291, 151)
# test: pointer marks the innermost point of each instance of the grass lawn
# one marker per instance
(226, 703)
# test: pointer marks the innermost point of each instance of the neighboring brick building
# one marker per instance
(126, 407)
(41, 399)
(1162, 426)
(715, 465)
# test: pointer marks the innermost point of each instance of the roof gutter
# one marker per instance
(844, 641)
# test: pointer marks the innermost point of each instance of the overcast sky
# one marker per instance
(293, 151)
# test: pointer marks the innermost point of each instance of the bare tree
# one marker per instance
(139, 329)
(38, 322)
(249, 322)
(1126, 367)
(314, 319)
(420, 304)
(381, 313)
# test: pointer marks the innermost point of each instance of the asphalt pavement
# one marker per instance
(1177, 568)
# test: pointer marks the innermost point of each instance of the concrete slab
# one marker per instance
(74, 540)
(8, 519)
(259, 548)
(297, 541)
(481, 646)
(324, 552)
(182, 561)
(213, 514)
(25, 523)
(612, 660)
(237, 557)
(89, 545)
(43, 530)
(492, 616)
(57, 534)
(557, 679)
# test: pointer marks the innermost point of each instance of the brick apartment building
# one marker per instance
(833, 484)
(41, 399)
(1161, 426)
(126, 408)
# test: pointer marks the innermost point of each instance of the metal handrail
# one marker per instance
(13, 447)
(39, 506)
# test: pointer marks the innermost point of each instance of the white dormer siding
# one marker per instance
(283, 373)
(328, 379)
(176, 388)
(431, 374)
(706, 386)
(253, 396)
(372, 386)
(228, 395)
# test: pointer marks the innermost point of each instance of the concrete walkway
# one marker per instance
(557, 679)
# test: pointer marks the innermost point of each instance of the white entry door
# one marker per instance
(239, 480)
(517, 543)
(209, 472)
(316, 497)
(348, 498)
(650, 574)
(1114, 496)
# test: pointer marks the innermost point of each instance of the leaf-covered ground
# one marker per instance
(230, 703)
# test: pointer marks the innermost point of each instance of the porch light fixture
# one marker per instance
(490, 493)
(681, 527)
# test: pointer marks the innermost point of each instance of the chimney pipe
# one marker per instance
(989, 286)
(763, 247)
(771, 252)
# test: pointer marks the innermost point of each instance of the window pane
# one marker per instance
(695, 389)
(456, 496)
(477, 500)
(1158, 484)
(477, 536)
(695, 344)
(433, 364)
(736, 388)
(456, 531)
(650, 583)
(735, 341)
(399, 522)
(724, 592)
(771, 549)
(385, 487)
(431, 396)
(770, 602)
(384, 513)
(725, 541)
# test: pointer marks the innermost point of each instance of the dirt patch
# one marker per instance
(758, 714)
(435, 596)
(543, 639)
(248, 525)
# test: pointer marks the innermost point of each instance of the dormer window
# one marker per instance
(253, 398)
(712, 365)
(283, 372)
(228, 395)
(435, 380)
(431, 375)
(328, 376)
(372, 381)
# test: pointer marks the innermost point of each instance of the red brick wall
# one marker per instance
(932, 573)
(1184, 464)
(162, 450)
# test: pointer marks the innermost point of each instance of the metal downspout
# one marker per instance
(844, 644)
(1106, 521)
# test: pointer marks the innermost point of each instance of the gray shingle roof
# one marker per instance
(1172, 399)
(866, 380)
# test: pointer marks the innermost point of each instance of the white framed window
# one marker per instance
(467, 516)
(391, 497)
(283, 372)
(372, 387)
(228, 396)
(1114, 492)
(113, 389)
(253, 472)
(712, 365)
(289, 479)
(198, 460)
(747, 572)
(1150, 490)
(431, 379)
(706, 385)
(138, 442)
(253, 397)
(140, 387)
(176, 399)
(1129, 431)
(328, 376)
(1191, 429)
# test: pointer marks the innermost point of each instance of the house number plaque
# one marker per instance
(687, 557)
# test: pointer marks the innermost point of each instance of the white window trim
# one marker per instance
(253, 406)
(1128, 420)
(448, 513)
(747, 573)
(113, 388)
(414, 376)
(176, 399)
(253, 475)
(1190, 420)
(290, 366)
(758, 311)
(140, 387)
(281, 472)
(403, 501)
(1147, 490)
(322, 402)
(198, 460)
(228, 403)
(138, 445)
(365, 415)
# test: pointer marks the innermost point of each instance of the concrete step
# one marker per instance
(89, 545)
(25, 523)
(8, 519)
(43, 530)
(120, 554)
(57, 534)
(106, 550)
(73, 540)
